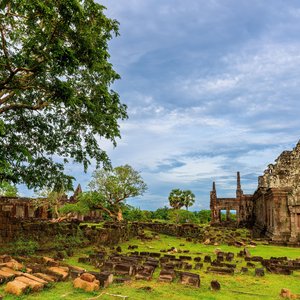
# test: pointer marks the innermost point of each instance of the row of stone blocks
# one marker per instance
(20, 279)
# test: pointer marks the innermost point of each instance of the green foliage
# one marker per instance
(23, 246)
(203, 216)
(112, 187)
(179, 198)
(55, 95)
(135, 214)
(175, 199)
(60, 242)
(232, 216)
(8, 190)
(182, 216)
(161, 214)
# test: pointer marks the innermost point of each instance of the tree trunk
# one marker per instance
(120, 215)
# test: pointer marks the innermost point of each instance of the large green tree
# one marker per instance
(176, 199)
(55, 96)
(188, 198)
(179, 198)
(109, 190)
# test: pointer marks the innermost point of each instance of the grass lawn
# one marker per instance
(238, 286)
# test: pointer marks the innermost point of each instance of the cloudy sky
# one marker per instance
(212, 87)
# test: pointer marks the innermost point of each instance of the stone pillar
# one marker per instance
(227, 214)
(239, 191)
(215, 214)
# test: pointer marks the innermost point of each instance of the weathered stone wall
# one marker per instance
(22, 208)
(274, 209)
(111, 233)
(12, 229)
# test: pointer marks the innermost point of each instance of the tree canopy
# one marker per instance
(175, 199)
(55, 96)
(108, 191)
(8, 190)
(179, 198)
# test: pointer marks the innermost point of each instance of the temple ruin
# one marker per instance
(273, 211)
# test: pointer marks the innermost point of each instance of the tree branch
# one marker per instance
(5, 96)
(17, 106)
(5, 49)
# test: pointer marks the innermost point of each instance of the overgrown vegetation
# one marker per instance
(108, 191)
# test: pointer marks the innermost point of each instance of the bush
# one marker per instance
(135, 214)
(24, 247)
(182, 216)
(161, 214)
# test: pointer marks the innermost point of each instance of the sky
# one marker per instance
(212, 88)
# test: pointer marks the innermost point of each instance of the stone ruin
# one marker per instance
(29, 208)
(273, 211)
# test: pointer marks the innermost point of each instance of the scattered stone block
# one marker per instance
(15, 265)
(182, 257)
(58, 272)
(250, 265)
(260, 272)
(105, 279)
(190, 279)
(50, 262)
(198, 266)
(84, 260)
(215, 285)
(207, 259)
(166, 275)
(9, 270)
(7, 275)
(124, 269)
(229, 256)
(16, 287)
(78, 283)
(34, 285)
(285, 293)
(219, 270)
(35, 278)
(87, 277)
(45, 277)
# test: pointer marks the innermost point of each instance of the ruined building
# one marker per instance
(29, 208)
(274, 209)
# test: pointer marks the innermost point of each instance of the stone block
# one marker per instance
(124, 269)
(207, 259)
(190, 279)
(45, 277)
(215, 285)
(16, 288)
(7, 275)
(166, 275)
(87, 277)
(219, 270)
(260, 272)
(78, 283)
(33, 284)
(58, 272)
(105, 279)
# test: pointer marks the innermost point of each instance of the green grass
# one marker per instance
(236, 286)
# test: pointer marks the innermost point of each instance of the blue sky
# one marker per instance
(212, 87)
